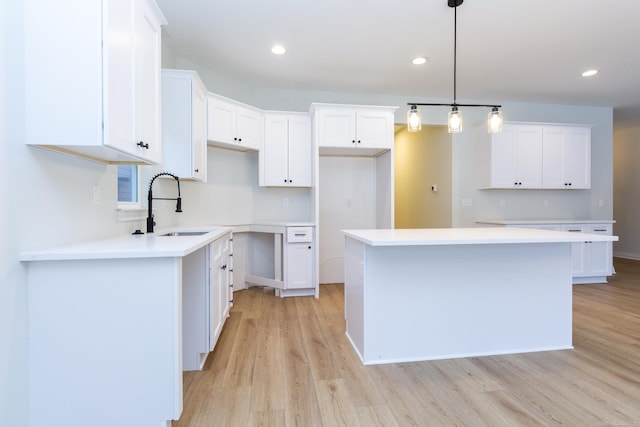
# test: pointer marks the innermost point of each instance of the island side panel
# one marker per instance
(446, 301)
(354, 296)
(105, 341)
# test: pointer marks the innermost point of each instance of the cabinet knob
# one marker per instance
(353, 141)
(358, 141)
(309, 247)
(196, 170)
(239, 139)
(143, 145)
(235, 139)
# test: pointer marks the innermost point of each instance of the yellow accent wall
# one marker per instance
(423, 159)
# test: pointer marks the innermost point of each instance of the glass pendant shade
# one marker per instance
(455, 120)
(414, 119)
(494, 121)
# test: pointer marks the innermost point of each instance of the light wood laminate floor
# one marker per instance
(287, 362)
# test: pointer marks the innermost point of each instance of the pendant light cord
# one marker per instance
(455, 45)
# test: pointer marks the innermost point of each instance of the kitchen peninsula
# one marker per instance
(426, 294)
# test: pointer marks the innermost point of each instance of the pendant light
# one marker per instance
(414, 118)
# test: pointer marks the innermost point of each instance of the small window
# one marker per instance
(128, 186)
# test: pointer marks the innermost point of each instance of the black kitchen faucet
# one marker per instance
(150, 198)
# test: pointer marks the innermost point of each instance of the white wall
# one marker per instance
(232, 195)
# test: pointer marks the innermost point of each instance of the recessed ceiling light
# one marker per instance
(589, 73)
(419, 60)
(278, 50)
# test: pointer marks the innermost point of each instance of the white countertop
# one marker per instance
(544, 221)
(469, 236)
(131, 246)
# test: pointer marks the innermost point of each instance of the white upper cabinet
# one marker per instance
(516, 157)
(567, 157)
(286, 158)
(344, 129)
(184, 151)
(231, 124)
(92, 85)
(535, 156)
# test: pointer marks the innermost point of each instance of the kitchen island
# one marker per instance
(427, 294)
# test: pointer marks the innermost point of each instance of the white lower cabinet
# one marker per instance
(592, 262)
(299, 258)
(221, 294)
(206, 296)
(275, 256)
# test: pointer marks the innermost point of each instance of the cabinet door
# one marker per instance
(567, 157)
(119, 76)
(577, 157)
(503, 158)
(199, 143)
(374, 129)
(337, 127)
(516, 157)
(147, 84)
(299, 266)
(299, 151)
(183, 125)
(221, 121)
(600, 257)
(250, 128)
(578, 252)
(276, 156)
(529, 157)
(216, 295)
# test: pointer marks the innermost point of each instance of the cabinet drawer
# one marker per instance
(299, 234)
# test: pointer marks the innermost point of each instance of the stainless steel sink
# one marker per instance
(185, 233)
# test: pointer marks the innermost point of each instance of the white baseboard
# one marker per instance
(627, 255)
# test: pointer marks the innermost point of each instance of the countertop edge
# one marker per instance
(545, 221)
(130, 247)
(431, 237)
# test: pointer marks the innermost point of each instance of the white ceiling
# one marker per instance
(522, 50)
